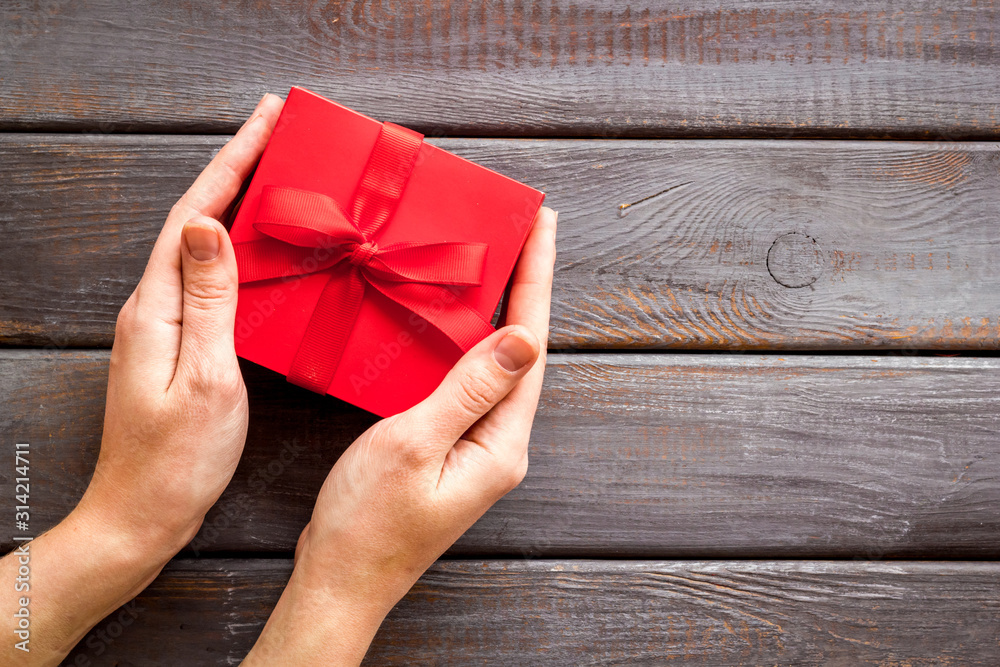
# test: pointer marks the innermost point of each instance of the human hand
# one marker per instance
(176, 415)
(175, 420)
(412, 484)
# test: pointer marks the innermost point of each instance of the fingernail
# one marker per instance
(254, 113)
(260, 102)
(513, 352)
(202, 242)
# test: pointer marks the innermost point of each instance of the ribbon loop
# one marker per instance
(306, 219)
(309, 232)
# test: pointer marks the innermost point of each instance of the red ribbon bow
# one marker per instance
(310, 233)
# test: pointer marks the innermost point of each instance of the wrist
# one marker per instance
(81, 571)
(319, 621)
(152, 536)
(134, 556)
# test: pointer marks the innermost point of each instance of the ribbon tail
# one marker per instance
(441, 307)
(330, 326)
(439, 263)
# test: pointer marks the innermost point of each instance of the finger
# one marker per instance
(528, 306)
(216, 186)
(209, 310)
(214, 189)
(531, 288)
(159, 302)
(477, 382)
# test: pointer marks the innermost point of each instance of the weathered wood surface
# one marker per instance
(594, 613)
(671, 244)
(664, 456)
(921, 69)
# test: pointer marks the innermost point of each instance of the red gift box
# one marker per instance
(369, 260)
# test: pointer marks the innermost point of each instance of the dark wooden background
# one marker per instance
(769, 429)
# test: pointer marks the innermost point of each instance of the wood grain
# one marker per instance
(637, 455)
(552, 67)
(699, 245)
(594, 613)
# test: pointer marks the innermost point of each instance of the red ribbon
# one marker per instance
(310, 233)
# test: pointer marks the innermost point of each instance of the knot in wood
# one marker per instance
(795, 260)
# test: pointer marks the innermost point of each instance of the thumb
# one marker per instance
(478, 382)
(208, 268)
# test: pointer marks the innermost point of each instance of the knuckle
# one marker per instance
(116, 364)
(231, 171)
(200, 380)
(515, 473)
(413, 456)
(206, 292)
(219, 384)
(409, 449)
(382, 433)
(126, 317)
(181, 207)
(229, 386)
(477, 392)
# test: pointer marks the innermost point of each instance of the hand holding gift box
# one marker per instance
(177, 411)
(370, 260)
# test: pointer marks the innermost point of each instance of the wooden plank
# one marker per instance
(662, 244)
(638, 455)
(552, 67)
(210, 612)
